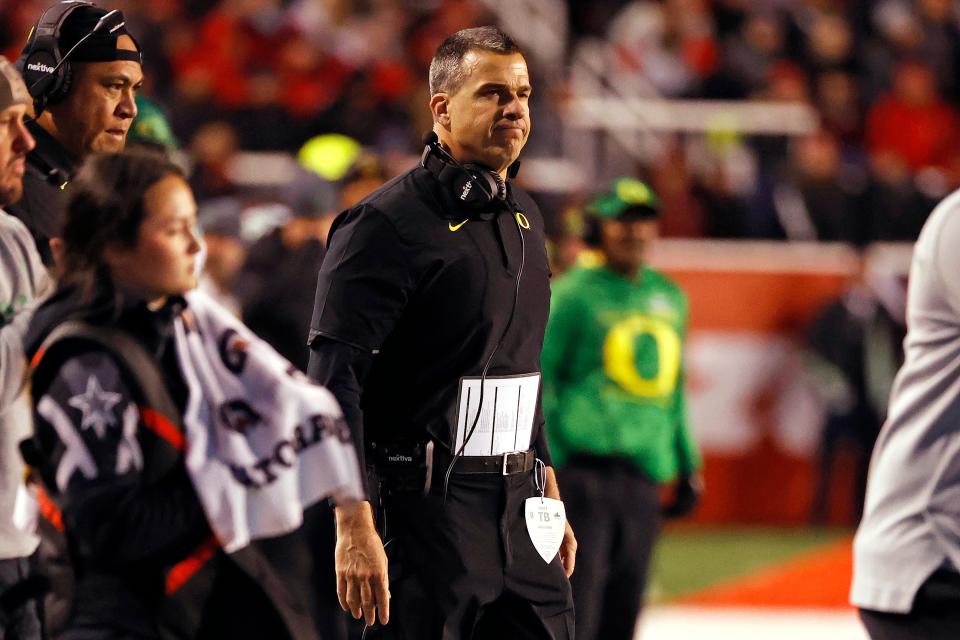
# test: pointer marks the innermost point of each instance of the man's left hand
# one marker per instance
(686, 496)
(568, 548)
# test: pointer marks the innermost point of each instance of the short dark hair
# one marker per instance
(446, 69)
(106, 206)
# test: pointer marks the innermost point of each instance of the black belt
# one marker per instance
(505, 464)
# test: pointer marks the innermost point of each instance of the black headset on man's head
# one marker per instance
(46, 70)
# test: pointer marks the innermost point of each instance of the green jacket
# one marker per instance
(613, 371)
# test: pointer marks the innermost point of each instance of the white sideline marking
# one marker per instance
(695, 623)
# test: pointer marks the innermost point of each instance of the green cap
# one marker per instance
(625, 196)
(151, 126)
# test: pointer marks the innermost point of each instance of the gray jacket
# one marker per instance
(911, 521)
(24, 283)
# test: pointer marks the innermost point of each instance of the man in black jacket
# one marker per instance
(84, 106)
(430, 311)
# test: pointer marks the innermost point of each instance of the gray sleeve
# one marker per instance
(947, 260)
(24, 283)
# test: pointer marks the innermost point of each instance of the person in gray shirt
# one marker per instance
(23, 284)
(907, 548)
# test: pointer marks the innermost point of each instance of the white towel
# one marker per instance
(263, 442)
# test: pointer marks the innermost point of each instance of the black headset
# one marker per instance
(45, 69)
(473, 185)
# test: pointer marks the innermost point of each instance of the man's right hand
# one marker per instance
(362, 584)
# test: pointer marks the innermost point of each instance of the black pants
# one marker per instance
(935, 614)
(466, 569)
(615, 513)
(18, 607)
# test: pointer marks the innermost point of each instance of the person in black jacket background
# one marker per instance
(283, 263)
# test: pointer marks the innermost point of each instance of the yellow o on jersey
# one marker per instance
(619, 356)
(522, 220)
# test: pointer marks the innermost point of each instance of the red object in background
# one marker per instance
(819, 579)
(390, 80)
(912, 121)
(921, 135)
(702, 55)
(767, 486)
(306, 93)
(764, 485)
(761, 296)
(226, 52)
(681, 214)
(217, 57)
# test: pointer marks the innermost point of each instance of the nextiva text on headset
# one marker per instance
(441, 279)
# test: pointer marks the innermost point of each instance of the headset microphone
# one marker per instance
(430, 137)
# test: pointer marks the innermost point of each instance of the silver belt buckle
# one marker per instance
(506, 458)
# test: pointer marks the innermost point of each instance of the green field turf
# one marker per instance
(687, 560)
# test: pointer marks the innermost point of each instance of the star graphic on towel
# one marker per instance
(96, 405)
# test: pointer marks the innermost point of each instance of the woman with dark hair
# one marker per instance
(111, 398)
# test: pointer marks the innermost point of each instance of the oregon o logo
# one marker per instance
(620, 357)
(522, 220)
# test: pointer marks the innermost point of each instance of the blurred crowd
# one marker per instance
(269, 75)
(880, 74)
(279, 71)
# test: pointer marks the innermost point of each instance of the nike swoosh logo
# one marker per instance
(454, 227)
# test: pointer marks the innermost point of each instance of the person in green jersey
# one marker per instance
(614, 405)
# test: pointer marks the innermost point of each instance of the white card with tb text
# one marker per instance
(546, 522)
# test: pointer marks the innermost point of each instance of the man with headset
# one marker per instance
(83, 69)
(430, 310)
(23, 283)
(614, 399)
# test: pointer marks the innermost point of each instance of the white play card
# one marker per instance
(506, 415)
(546, 522)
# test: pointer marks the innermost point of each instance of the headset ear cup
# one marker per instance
(474, 186)
(484, 188)
(492, 191)
(38, 81)
(42, 52)
(61, 84)
(465, 190)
